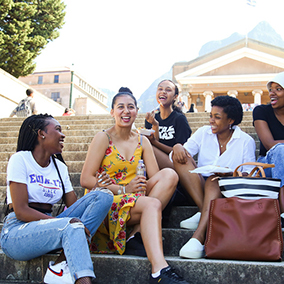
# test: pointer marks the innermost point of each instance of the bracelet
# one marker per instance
(123, 189)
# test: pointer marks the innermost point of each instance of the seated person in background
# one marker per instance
(69, 112)
(137, 202)
(35, 181)
(222, 143)
(168, 121)
(268, 121)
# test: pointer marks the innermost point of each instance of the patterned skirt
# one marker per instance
(112, 238)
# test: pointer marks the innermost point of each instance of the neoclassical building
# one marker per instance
(68, 88)
(240, 69)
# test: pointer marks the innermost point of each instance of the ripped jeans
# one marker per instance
(274, 156)
(24, 241)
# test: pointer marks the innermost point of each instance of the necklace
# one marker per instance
(231, 131)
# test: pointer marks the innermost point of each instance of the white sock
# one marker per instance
(156, 274)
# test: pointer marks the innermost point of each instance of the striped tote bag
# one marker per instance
(254, 186)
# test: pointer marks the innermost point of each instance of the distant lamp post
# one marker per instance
(71, 86)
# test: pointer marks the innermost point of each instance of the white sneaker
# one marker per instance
(192, 249)
(58, 274)
(192, 222)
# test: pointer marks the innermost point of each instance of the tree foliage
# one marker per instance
(25, 29)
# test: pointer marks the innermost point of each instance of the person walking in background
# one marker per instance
(37, 178)
(138, 201)
(268, 121)
(26, 106)
(223, 144)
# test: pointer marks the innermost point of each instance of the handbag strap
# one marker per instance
(258, 166)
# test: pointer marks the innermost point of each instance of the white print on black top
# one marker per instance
(166, 133)
(48, 187)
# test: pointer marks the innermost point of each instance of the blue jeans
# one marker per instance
(274, 156)
(24, 241)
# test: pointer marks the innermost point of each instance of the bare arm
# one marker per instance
(264, 134)
(150, 117)
(70, 198)
(166, 149)
(149, 158)
(180, 154)
(19, 194)
(93, 160)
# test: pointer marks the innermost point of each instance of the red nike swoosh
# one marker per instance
(56, 273)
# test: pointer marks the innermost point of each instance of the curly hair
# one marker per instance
(231, 106)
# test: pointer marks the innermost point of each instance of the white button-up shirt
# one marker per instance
(240, 149)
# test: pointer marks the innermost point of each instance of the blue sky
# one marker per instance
(131, 43)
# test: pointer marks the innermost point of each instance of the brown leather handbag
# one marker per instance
(244, 229)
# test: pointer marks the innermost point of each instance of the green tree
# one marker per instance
(25, 29)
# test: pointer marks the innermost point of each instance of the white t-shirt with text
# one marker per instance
(43, 184)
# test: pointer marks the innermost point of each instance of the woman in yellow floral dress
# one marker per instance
(117, 151)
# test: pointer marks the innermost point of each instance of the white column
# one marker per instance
(232, 93)
(184, 98)
(185, 94)
(208, 98)
(257, 96)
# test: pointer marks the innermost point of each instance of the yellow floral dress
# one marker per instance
(121, 171)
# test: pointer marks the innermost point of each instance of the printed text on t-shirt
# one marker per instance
(166, 133)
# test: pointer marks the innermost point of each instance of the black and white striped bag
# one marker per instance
(251, 186)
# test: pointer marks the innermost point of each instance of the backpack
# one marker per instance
(24, 108)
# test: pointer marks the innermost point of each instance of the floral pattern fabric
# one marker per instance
(111, 237)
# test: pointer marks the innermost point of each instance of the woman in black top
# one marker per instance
(269, 125)
(170, 124)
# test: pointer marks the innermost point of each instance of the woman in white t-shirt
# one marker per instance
(35, 181)
(222, 143)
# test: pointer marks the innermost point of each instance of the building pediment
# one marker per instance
(241, 69)
(243, 61)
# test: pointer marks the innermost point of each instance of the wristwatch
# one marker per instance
(119, 190)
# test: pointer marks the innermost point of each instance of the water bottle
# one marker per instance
(141, 171)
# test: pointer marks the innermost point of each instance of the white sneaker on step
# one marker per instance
(58, 274)
(192, 222)
(192, 249)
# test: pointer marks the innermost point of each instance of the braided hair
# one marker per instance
(28, 134)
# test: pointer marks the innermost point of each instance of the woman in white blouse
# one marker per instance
(223, 144)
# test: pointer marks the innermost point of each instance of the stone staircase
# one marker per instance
(79, 131)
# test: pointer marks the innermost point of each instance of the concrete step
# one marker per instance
(69, 139)
(106, 123)
(173, 240)
(92, 130)
(75, 155)
(132, 269)
(72, 147)
(178, 213)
